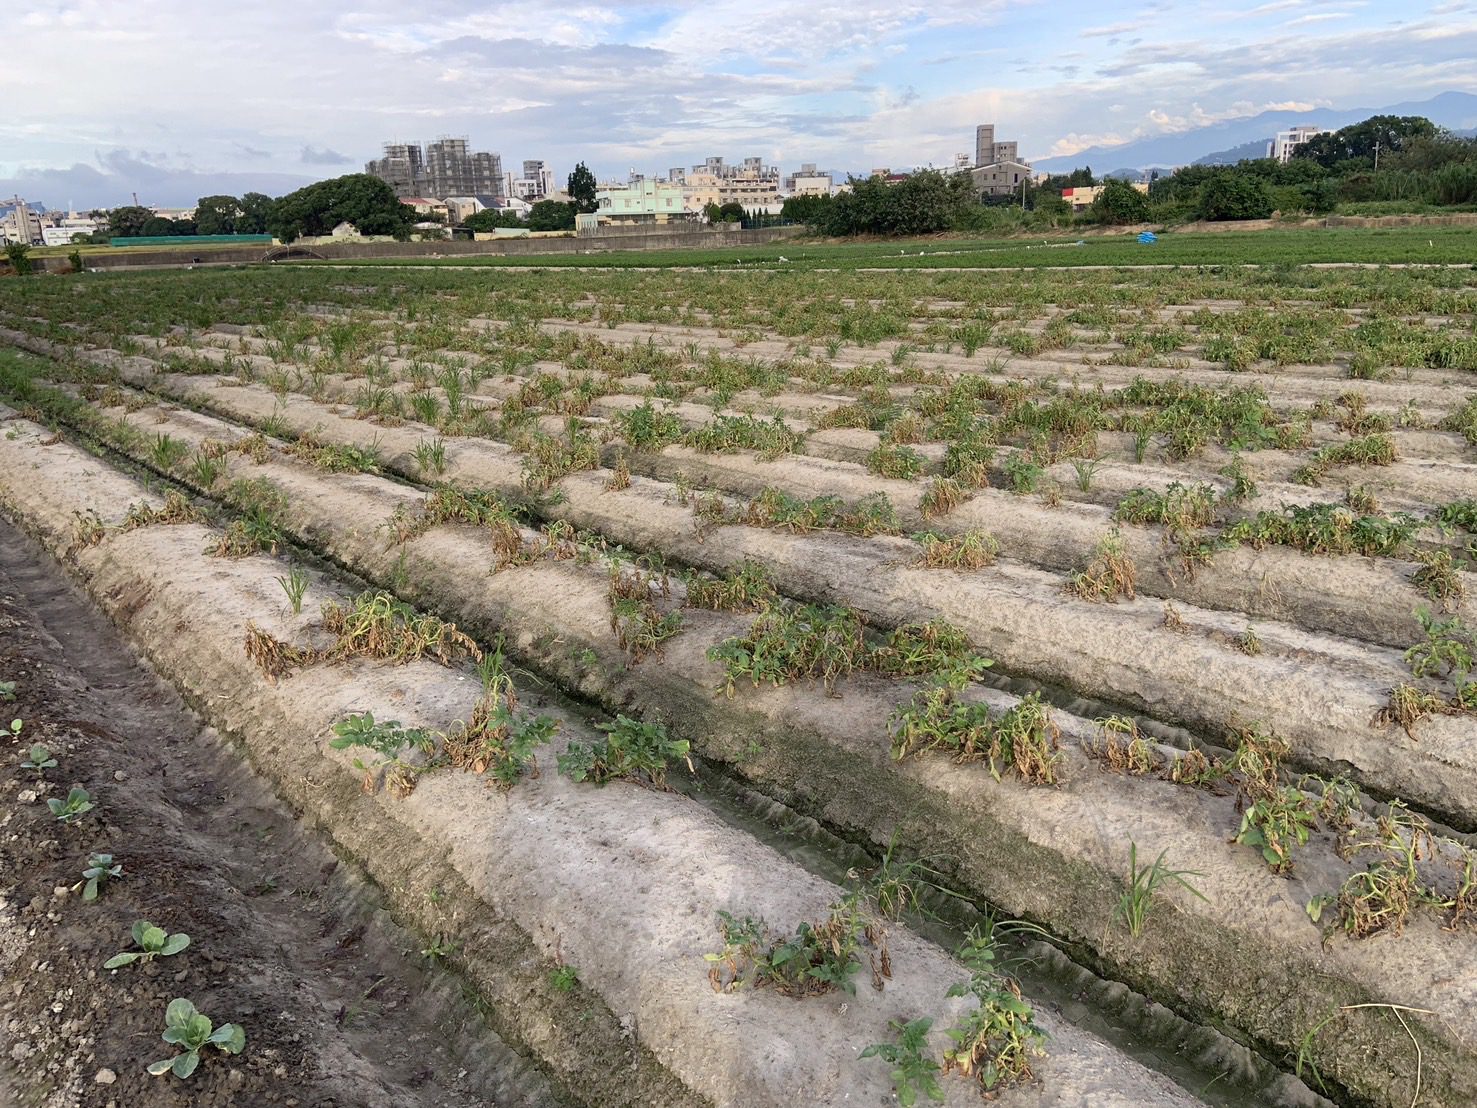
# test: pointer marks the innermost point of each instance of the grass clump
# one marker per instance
(997, 1040)
(473, 507)
(498, 739)
(1144, 883)
(1440, 578)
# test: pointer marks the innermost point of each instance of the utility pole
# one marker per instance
(1376, 155)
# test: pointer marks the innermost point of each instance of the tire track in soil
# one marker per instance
(339, 1008)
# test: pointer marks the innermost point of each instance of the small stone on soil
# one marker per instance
(105, 1077)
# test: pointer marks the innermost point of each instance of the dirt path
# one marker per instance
(339, 1006)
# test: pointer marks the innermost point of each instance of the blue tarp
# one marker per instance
(1148, 238)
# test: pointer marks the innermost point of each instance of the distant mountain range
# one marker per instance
(1223, 143)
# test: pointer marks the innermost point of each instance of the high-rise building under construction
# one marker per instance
(446, 167)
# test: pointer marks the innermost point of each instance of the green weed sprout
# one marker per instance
(7, 690)
(913, 1071)
(294, 584)
(40, 760)
(15, 728)
(1143, 883)
(632, 749)
(563, 979)
(77, 804)
(156, 943)
(185, 1026)
(100, 870)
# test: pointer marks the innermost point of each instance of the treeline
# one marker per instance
(1384, 163)
(1398, 162)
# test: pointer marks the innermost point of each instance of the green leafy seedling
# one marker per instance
(40, 760)
(564, 978)
(100, 870)
(7, 690)
(15, 728)
(913, 1071)
(156, 943)
(185, 1026)
(77, 805)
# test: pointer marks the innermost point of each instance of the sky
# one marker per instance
(177, 98)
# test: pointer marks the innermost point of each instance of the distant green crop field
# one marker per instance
(1300, 246)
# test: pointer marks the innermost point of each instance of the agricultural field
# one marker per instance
(825, 687)
(1429, 245)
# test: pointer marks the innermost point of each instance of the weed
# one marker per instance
(380, 625)
(167, 452)
(387, 739)
(564, 979)
(1085, 469)
(971, 550)
(817, 958)
(185, 1026)
(997, 1040)
(498, 739)
(724, 434)
(1408, 705)
(1173, 621)
(77, 805)
(898, 462)
(474, 508)
(1276, 823)
(294, 584)
(745, 589)
(1249, 642)
(1325, 529)
(155, 943)
(631, 749)
(942, 496)
(1109, 575)
(646, 429)
(1195, 769)
(790, 643)
(639, 625)
(1123, 749)
(430, 457)
(1022, 473)
(1362, 501)
(620, 477)
(932, 649)
(1023, 738)
(913, 1072)
(1144, 883)
(7, 691)
(1439, 578)
(100, 870)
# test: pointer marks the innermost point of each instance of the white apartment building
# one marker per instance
(20, 224)
(808, 181)
(1285, 143)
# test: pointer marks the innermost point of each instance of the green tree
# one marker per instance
(1119, 203)
(217, 215)
(805, 209)
(367, 202)
(732, 212)
(1359, 141)
(256, 213)
(128, 222)
(490, 218)
(582, 189)
(18, 255)
(1235, 196)
(551, 215)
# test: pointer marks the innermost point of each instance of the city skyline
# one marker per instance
(162, 107)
